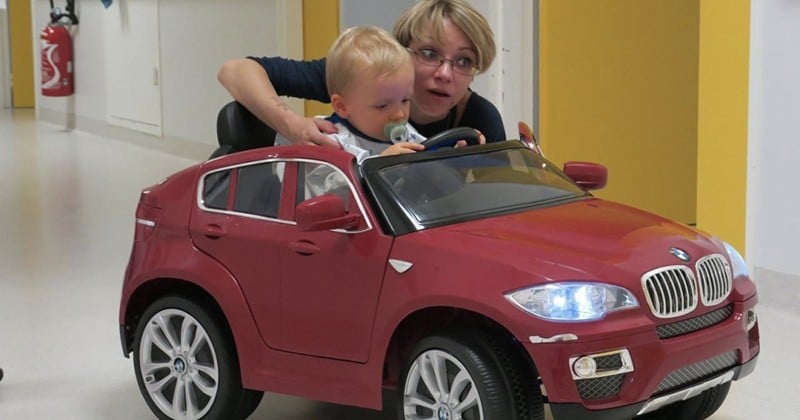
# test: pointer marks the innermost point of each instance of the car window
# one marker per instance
(216, 188)
(435, 191)
(318, 178)
(258, 189)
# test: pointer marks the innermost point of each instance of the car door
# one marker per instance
(331, 279)
(238, 221)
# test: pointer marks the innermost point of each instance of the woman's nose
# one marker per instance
(444, 71)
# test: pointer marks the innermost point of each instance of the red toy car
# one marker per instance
(479, 282)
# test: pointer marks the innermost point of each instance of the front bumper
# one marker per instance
(659, 372)
(578, 411)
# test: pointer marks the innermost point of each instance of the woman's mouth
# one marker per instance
(438, 93)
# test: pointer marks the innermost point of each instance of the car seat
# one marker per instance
(238, 129)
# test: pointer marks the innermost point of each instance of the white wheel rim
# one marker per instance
(178, 364)
(439, 387)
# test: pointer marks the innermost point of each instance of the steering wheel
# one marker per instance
(449, 138)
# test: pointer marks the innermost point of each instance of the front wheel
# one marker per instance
(186, 365)
(470, 377)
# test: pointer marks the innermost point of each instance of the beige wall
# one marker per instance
(21, 39)
(722, 119)
(618, 85)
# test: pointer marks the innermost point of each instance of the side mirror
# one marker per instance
(591, 176)
(324, 212)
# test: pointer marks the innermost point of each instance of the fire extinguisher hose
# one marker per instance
(56, 15)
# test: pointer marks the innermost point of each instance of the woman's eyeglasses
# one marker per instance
(429, 57)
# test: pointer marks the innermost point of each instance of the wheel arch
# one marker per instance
(231, 309)
(155, 289)
(426, 321)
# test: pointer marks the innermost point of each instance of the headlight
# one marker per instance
(572, 301)
(738, 266)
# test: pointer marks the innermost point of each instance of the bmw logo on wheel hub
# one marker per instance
(444, 413)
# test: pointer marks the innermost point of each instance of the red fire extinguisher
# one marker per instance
(57, 68)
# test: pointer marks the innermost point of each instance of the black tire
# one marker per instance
(188, 355)
(489, 377)
(696, 408)
(250, 401)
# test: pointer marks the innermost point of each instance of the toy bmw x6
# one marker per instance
(478, 282)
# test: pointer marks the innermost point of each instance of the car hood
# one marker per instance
(586, 240)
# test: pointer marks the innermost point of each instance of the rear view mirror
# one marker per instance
(324, 212)
(591, 176)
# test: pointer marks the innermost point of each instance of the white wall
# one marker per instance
(773, 205)
(196, 37)
(773, 213)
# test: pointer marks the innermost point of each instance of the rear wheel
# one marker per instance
(696, 408)
(186, 365)
(470, 377)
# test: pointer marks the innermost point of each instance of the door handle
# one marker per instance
(213, 231)
(303, 247)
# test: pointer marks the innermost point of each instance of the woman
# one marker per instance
(450, 42)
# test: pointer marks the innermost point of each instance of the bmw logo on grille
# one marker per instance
(680, 254)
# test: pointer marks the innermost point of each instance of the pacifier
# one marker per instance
(395, 131)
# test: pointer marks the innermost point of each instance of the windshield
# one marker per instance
(464, 186)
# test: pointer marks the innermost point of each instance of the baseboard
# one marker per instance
(173, 145)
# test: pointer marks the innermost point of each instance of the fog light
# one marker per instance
(585, 367)
(599, 365)
(751, 319)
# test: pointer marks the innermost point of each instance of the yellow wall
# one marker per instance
(618, 85)
(20, 33)
(320, 29)
(722, 118)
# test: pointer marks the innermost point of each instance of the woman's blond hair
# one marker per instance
(423, 21)
(363, 51)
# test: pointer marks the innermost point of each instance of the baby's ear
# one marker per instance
(339, 105)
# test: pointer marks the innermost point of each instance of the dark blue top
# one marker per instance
(306, 79)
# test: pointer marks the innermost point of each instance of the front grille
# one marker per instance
(599, 388)
(674, 291)
(670, 291)
(692, 373)
(694, 324)
(714, 275)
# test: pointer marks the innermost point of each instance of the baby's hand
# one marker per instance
(402, 148)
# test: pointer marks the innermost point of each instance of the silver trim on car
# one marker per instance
(620, 360)
(685, 394)
(201, 204)
(675, 290)
(670, 291)
(715, 279)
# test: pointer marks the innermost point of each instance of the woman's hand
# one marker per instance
(481, 140)
(249, 84)
(313, 131)
(403, 148)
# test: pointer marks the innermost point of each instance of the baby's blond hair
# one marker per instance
(363, 51)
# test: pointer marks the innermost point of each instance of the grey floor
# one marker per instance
(66, 211)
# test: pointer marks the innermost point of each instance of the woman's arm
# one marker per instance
(249, 84)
